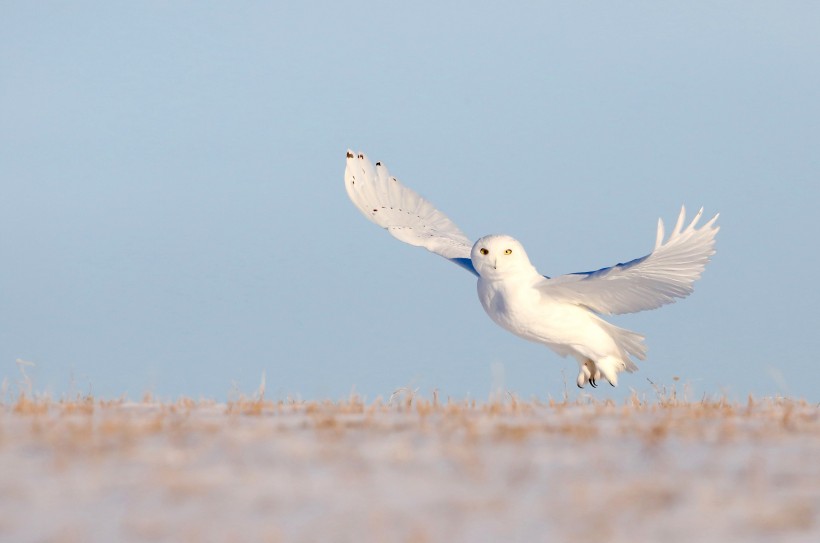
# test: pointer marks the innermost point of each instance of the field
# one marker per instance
(410, 469)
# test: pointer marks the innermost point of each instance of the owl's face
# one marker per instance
(499, 256)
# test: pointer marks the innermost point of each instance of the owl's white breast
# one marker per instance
(520, 308)
(513, 305)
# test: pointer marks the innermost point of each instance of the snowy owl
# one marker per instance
(560, 312)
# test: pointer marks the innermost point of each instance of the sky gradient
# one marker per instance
(173, 218)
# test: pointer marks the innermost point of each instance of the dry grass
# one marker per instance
(651, 421)
(410, 468)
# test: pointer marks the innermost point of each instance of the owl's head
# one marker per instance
(499, 257)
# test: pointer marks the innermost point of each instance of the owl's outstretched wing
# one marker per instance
(402, 212)
(645, 283)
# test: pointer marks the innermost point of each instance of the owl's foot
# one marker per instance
(589, 374)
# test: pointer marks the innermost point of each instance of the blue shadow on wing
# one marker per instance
(465, 263)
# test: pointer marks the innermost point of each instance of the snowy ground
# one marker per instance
(415, 470)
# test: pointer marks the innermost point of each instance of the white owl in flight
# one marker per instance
(560, 312)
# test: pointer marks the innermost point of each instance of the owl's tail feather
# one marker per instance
(629, 343)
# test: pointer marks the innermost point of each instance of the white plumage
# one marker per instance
(561, 312)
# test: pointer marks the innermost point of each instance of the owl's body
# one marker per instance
(562, 312)
(508, 289)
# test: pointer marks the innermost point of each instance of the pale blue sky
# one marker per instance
(173, 217)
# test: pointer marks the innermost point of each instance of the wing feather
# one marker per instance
(659, 278)
(403, 212)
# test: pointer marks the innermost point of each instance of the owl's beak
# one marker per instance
(495, 264)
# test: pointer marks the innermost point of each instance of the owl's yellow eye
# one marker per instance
(484, 251)
(508, 252)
